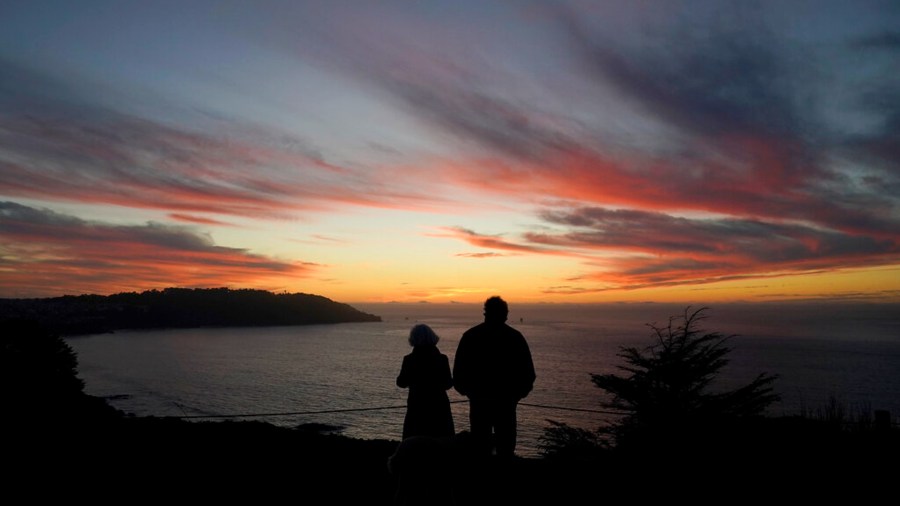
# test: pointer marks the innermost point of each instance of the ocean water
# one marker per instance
(344, 374)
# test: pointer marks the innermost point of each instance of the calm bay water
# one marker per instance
(851, 353)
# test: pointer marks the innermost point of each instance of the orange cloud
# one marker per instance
(44, 249)
(492, 241)
(629, 249)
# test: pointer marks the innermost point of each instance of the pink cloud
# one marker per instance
(200, 220)
(122, 160)
(481, 255)
(44, 249)
(492, 241)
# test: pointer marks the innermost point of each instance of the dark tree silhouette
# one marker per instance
(39, 383)
(36, 366)
(665, 393)
(665, 397)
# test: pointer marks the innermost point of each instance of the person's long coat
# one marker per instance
(426, 373)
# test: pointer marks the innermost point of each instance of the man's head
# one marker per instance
(495, 309)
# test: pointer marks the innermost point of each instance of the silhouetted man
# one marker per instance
(493, 368)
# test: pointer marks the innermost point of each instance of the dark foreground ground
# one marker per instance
(134, 460)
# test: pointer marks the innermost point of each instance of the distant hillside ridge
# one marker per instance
(180, 308)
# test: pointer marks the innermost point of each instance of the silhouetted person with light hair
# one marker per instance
(493, 368)
(426, 372)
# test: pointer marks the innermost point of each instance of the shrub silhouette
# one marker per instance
(36, 365)
(665, 394)
(39, 383)
(665, 398)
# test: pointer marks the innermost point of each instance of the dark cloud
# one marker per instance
(713, 80)
(438, 78)
(17, 220)
(42, 248)
(27, 91)
(660, 271)
(871, 190)
(492, 121)
(767, 244)
(879, 147)
(886, 40)
(641, 249)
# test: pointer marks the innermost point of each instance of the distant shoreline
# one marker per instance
(180, 308)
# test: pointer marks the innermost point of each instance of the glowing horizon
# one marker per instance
(553, 152)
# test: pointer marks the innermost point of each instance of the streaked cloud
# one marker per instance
(491, 241)
(629, 249)
(481, 255)
(200, 220)
(72, 148)
(42, 249)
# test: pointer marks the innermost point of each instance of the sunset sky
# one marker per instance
(447, 151)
